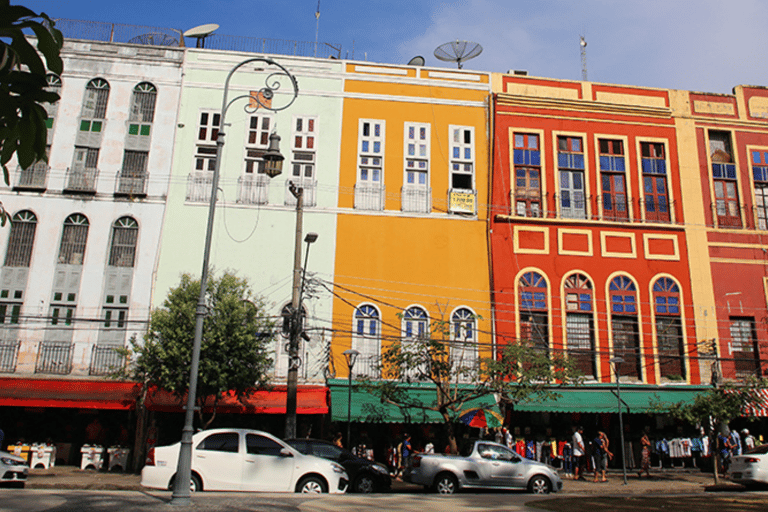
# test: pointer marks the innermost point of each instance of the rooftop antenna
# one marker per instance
(317, 25)
(583, 45)
(458, 51)
(200, 33)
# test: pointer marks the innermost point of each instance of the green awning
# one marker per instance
(368, 408)
(603, 399)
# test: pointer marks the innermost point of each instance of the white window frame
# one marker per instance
(369, 182)
(305, 134)
(369, 345)
(422, 153)
(208, 142)
(457, 162)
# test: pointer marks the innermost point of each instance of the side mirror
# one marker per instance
(285, 452)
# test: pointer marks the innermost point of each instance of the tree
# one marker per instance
(233, 354)
(520, 371)
(716, 408)
(23, 84)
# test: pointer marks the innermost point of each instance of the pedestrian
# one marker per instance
(645, 456)
(735, 443)
(508, 438)
(601, 454)
(579, 458)
(749, 440)
(724, 446)
(337, 440)
(407, 449)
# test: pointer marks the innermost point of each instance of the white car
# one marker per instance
(228, 459)
(750, 469)
(13, 469)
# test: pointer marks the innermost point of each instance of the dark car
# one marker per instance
(365, 475)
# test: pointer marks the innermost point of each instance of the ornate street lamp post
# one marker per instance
(617, 360)
(351, 357)
(273, 164)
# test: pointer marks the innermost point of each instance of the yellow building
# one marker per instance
(411, 246)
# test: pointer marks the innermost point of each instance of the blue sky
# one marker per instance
(700, 45)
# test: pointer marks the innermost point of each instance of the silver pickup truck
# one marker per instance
(488, 465)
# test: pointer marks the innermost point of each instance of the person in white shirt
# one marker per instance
(579, 459)
(749, 440)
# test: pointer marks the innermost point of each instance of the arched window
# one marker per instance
(125, 234)
(96, 96)
(464, 346)
(367, 340)
(143, 103)
(624, 325)
(21, 239)
(534, 317)
(669, 328)
(579, 322)
(73, 239)
(415, 323)
(53, 84)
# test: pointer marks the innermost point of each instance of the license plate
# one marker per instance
(736, 476)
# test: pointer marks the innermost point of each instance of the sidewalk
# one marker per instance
(674, 481)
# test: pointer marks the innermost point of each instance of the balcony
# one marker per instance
(416, 199)
(199, 185)
(33, 178)
(105, 360)
(131, 184)
(369, 197)
(253, 189)
(81, 180)
(310, 191)
(9, 352)
(54, 357)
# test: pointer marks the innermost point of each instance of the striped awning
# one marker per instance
(761, 409)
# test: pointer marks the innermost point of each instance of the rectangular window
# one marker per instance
(570, 163)
(527, 163)
(760, 175)
(256, 143)
(416, 193)
(727, 205)
(417, 154)
(580, 337)
(10, 306)
(534, 327)
(86, 158)
(613, 180)
(369, 189)
(304, 146)
(626, 344)
(669, 336)
(462, 157)
(654, 167)
(743, 347)
(207, 133)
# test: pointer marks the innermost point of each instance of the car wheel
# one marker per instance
(540, 484)
(312, 485)
(195, 484)
(364, 484)
(446, 483)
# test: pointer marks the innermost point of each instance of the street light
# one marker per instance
(297, 310)
(273, 162)
(351, 356)
(617, 360)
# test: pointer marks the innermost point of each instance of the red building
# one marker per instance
(588, 230)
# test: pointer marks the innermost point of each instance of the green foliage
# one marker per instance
(22, 83)
(519, 372)
(234, 350)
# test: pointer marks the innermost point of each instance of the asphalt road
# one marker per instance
(29, 500)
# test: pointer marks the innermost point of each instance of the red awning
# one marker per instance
(310, 400)
(107, 394)
(760, 409)
(79, 394)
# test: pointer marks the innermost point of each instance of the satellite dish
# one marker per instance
(155, 39)
(458, 51)
(200, 33)
(417, 61)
